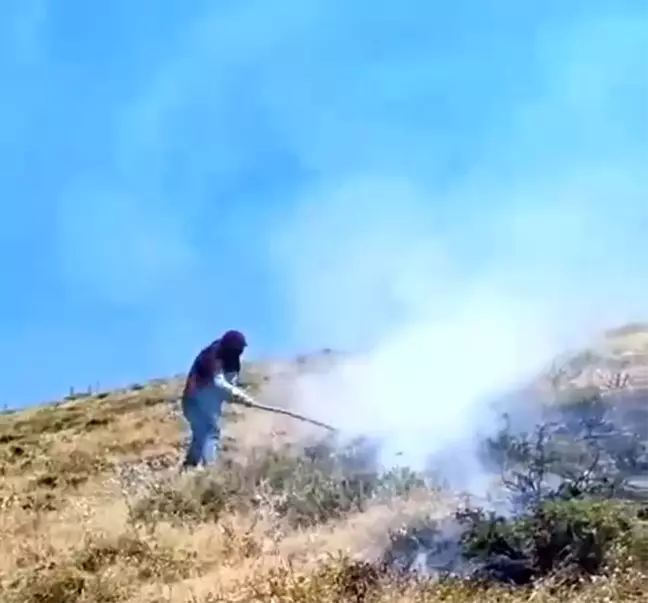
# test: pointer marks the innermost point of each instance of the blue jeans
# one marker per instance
(202, 411)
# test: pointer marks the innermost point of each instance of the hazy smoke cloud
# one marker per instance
(455, 205)
(453, 295)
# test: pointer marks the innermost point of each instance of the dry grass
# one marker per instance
(93, 511)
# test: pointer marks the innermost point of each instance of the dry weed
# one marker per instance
(93, 511)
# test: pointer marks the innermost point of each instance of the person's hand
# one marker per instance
(246, 400)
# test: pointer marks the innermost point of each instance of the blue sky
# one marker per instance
(171, 169)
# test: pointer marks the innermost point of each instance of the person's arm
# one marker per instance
(237, 394)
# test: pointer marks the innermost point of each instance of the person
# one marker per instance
(212, 380)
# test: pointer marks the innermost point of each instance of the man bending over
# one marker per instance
(212, 380)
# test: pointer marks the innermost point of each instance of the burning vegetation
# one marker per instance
(93, 511)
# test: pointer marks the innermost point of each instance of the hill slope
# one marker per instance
(92, 509)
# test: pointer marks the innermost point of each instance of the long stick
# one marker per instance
(288, 413)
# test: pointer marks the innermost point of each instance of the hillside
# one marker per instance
(92, 508)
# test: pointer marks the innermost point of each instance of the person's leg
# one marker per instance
(192, 414)
(210, 443)
(209, 406)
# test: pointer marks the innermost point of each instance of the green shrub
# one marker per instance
(573, 536)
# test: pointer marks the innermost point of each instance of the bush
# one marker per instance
(305, 487)
(151, 559)
(336, 579)
(578, 451)
(568, 513)
(203, 497)
(64, 584)
(573, 537)
(340, 579)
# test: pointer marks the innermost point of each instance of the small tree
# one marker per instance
(567, 479)
(578, 451)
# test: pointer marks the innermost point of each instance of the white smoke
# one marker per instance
(435, 342)
(430, 345)
(452, 294)
(458, 204)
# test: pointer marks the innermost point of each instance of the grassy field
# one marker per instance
(93, 511)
